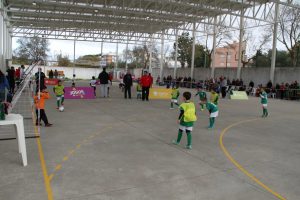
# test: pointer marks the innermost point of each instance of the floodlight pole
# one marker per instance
(151, 49)
(273, 61)
(193, 51)
(117, 55)
(126, 56)
(74, 59)
(213, 58)
(241, 46)
(176, 53)
(1, 43)
(162, 54)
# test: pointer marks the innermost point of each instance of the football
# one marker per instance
(61, 108)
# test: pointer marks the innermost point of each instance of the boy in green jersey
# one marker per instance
(174, 97)
(213, 112)
(202, 95)
(264, 101)
(59, 91)
(186, 119)
(214, 97)
(138, 91)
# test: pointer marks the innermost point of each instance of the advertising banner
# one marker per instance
(79, 93)
(52, 81)
(160, 93)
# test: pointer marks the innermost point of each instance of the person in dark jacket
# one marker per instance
(3, 85)
(127, 80)
(11, 77)
(40, 80)
(104, 78)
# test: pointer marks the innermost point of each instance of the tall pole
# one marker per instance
(241, 46)
(212, 73)
(193, 51)
(273, 61)
(74, 59)
(176, 54)
(126, 56)
(151, 50)
(1, 40)
(162, 54)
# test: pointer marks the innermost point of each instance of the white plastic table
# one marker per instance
(17, 120)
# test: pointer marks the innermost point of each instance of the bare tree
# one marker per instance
(289, 30)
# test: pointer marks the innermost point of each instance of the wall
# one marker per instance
(257, 75)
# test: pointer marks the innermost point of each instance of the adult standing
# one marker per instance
(127, 80)
(224, 87)
(40, 80)
(3, 85)
(104, 78)
(11, 76)
(51, 74)
(55, 73)
(146, 82)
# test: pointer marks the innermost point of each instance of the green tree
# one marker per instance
(63, 60)
(32, 49)
(185, 43)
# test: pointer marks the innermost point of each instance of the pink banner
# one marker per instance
(52, 81)
(79, 93)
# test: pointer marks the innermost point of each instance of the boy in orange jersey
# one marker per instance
(39, 101)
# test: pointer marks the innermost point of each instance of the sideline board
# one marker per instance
(160, 93)
(239, 95)
(79, 93)
(52, 81)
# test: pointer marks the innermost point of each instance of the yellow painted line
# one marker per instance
(239, 166)
(58, 167)
(51, 176)
(78, 146)
(43, 163)
(65, 158)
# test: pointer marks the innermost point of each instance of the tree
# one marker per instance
(63, 60)
(184, 49)
(289, 31)
(32, 49)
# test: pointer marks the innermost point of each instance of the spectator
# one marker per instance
(146, 84)
(104, 78)
(127, 80)
(55, 74)
(3, 85)
(224, 87)
(51, 74)
(11, 77)
(40, 80)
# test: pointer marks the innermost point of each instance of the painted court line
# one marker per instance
(43, 164)
(239, 166)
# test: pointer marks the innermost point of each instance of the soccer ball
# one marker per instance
(61, 108)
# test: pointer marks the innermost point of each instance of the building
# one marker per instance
(227, 56)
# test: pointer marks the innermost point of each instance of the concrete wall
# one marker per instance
(258, 75)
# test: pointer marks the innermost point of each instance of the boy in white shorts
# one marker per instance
(264, 101)
(186, 119)
(174, 97)
(213, 112)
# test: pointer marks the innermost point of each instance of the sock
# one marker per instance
(58, 102)
(179, 135)
(189, 138)
(176, 104)
(211, 122)
(171, 104)
(62, 99)
(202, 106)
(266, 112)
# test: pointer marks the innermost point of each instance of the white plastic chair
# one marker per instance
(17, 120)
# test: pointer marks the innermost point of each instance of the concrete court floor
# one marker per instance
(111, 149)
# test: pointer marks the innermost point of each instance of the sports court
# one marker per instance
(121, 149)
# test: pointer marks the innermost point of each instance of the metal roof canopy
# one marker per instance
(123, 20)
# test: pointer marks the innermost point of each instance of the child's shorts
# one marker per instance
(139, 93)
(174, 100)
(185, 128)
(264, 105)
(58, 97)
(214, 114)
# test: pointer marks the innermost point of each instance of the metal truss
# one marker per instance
(128, 21)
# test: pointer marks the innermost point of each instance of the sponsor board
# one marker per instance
(79, 93)
(239, 95)
(52, 81)
(160, 93)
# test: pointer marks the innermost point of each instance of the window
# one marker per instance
(222, 64)
(228, 65)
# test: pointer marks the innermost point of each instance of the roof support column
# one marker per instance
(241, 46)
(273, 61)
(1, 42)
(151, 50)
(117, 56)
(193, 51)
(176, 53)
(162, 54)
(126, 56)
(213, 58)
(74, 60)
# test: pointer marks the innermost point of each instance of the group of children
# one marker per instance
(39, 101)
(187, 115)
